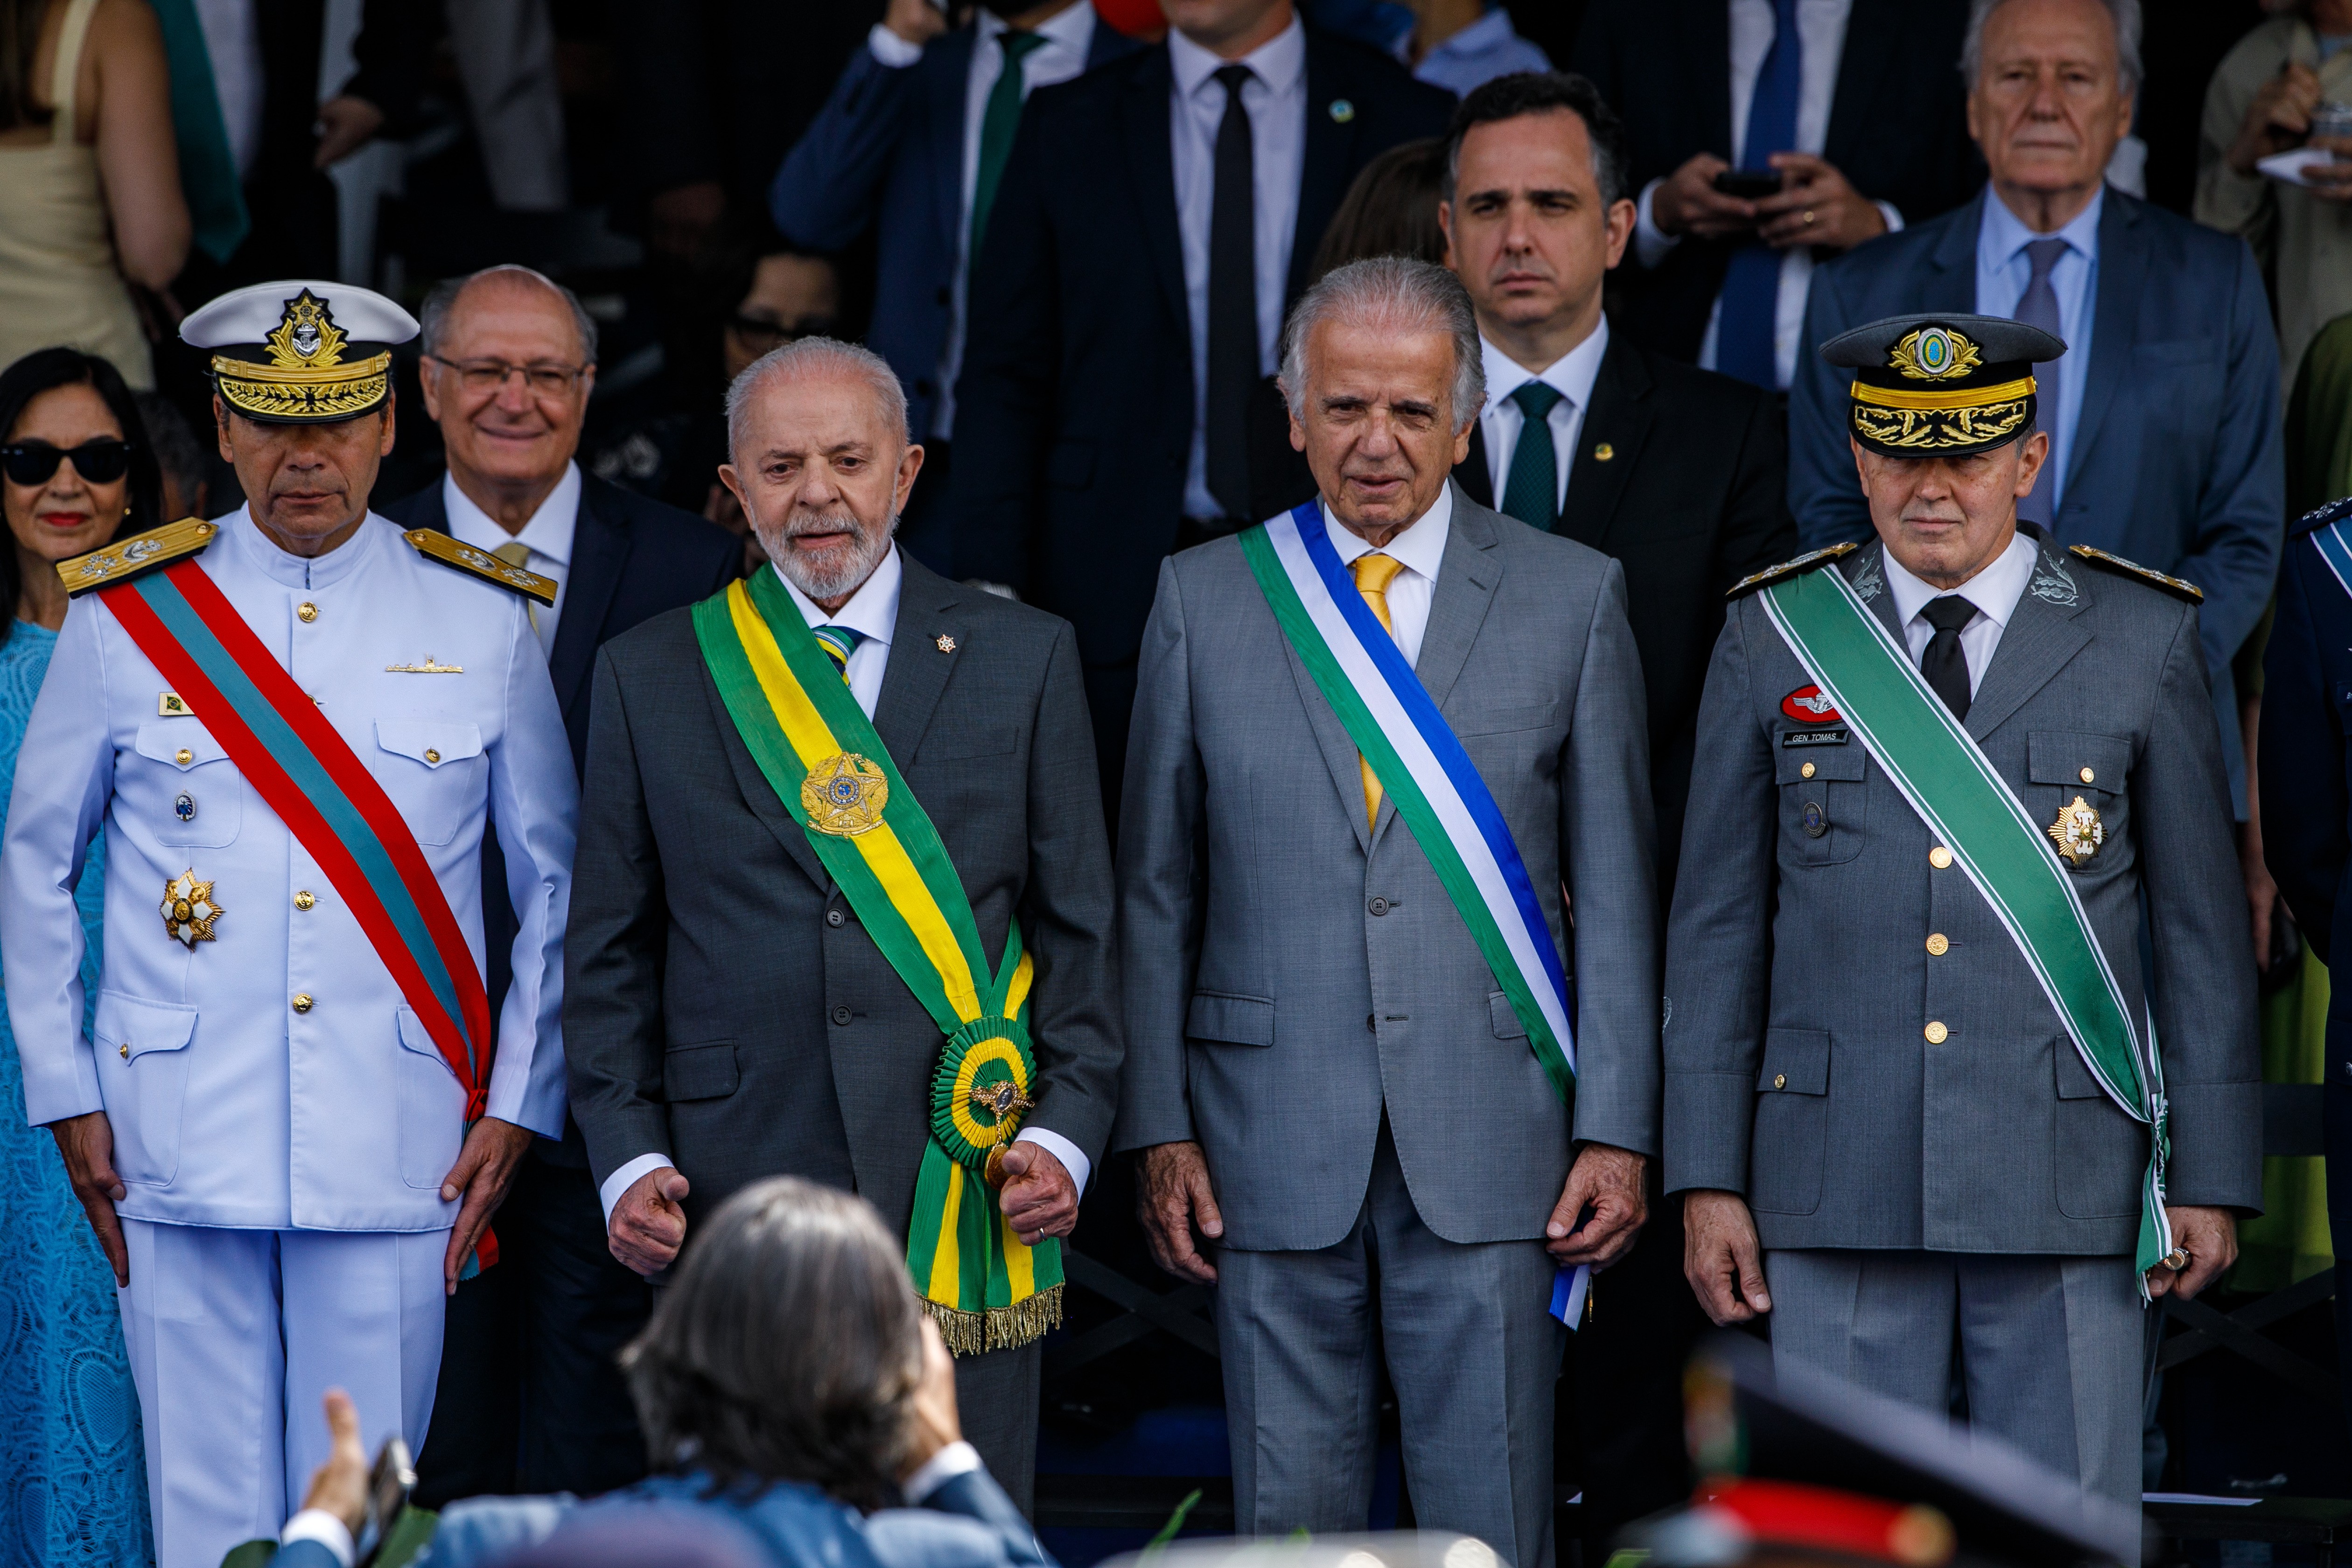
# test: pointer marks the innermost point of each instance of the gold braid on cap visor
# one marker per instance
(1901, 417)
(302, 392)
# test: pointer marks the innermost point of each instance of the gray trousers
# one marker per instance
(2050, 1349)
(1472, 1350)
(996, 1402)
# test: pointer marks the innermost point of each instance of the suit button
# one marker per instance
(1780, 1080)
(1939, 857)
(307, 611)
(1939, 944)
(2088, 775)
(432, 756)
(305, 900)
(1806, 771)
(184, 756)
(834, 917)
(301, 1001)
(1378, 906)
(841, 1016)
(1937, 1033)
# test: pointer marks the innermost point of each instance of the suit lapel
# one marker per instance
(2123, 269)
(1332, 740)
(2042, 635)
(953, 59)
(1151, 166)
(600, 547)
(1324, 173)
(1473, 474)
(1619, 420)
(918, 669)
(1951, 285)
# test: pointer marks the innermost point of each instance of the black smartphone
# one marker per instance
(1748, 184)
(389, 1484)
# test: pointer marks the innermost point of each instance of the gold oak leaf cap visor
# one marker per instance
(1941, 385)
(301, 351)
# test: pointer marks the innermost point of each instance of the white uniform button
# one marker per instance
(302, 1002)
(305, 898)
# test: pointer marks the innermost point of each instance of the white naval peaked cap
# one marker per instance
(244, 317)
(300, 351)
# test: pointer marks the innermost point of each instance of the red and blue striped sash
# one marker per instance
(306, 774)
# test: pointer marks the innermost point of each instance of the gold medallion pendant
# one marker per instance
(844, 796)
(2078, 832)
(188, 908)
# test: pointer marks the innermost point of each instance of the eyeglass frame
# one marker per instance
(507, 373)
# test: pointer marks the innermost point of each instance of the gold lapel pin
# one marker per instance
(1603, 452)
(947, 643)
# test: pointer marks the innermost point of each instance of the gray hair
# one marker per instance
(1390, 294)
(818, 356)
(2124, 14)
(433, 316)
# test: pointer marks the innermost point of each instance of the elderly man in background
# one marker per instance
(2163, 413)
(531, 1394)
(754, 997)
(1328, 704)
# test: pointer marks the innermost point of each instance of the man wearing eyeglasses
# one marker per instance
(530, 1392)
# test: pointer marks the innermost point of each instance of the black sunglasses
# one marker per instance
(98, 462)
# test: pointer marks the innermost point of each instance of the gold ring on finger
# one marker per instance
(2176, 1260)
(1809, 217)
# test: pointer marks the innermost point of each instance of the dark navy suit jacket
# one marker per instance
(2306, 711)
(2177, 461)
(886, 150)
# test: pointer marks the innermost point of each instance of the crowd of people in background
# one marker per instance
(1073, 232)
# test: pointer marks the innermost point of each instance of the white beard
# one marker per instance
(831, 581)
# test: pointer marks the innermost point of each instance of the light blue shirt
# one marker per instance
(1486, 48)
(2004, 270)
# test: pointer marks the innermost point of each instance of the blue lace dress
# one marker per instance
(73, 1478)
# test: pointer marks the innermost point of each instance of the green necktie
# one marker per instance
(1531, 492)
(839, 643)
(996, 128)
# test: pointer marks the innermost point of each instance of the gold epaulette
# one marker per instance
(1787, 569)
(438, 546)
(2176, 587)
(137, 555)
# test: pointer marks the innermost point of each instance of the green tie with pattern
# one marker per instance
(839, 643)
(997, 125)
(1531, 492)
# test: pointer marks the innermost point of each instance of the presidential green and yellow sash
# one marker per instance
(819, 752)
(1871, 681)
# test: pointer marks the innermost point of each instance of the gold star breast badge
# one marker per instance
(188, 908)
(844, 796)
(2078, 832)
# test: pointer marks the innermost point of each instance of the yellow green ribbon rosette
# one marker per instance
(820, 753)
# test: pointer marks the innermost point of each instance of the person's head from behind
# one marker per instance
(790, 1348)
(1382, 370)
(186, 474)
(509, 361)
(1391, 209)
(789, 295)
(1535, 206)
(818, 455)
(2050, 86)
(1230, 28)
(75, 465)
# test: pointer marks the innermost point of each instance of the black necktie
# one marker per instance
(1232, 301)
(1943, 663)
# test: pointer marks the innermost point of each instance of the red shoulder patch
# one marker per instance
(1806, 705)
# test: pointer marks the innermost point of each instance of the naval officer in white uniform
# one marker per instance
(271, 1147)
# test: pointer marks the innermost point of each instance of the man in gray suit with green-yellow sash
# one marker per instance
(1939, 1117)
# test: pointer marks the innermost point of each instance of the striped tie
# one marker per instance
(1373, 573)
(839, 643)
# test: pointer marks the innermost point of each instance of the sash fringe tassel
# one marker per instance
(998, 1328)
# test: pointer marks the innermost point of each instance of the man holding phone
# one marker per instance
(1811, 132)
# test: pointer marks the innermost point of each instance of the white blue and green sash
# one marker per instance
(2336, 551)
(1870, 679)
(1389, 715)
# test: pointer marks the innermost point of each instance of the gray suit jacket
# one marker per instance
(1290, 976)
(1797, 1067)
(731, 1012)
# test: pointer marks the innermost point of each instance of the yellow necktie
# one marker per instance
(1374, 573)
(515, 553)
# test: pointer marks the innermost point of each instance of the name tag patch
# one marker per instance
(1813, 738)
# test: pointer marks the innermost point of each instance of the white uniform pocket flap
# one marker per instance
(132, 1027)
(417, 1037)
(181, 744)
(432, 742)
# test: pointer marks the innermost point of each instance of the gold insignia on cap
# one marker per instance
(2078, 832)
(307, 336)
(844, 796)
(305, 378)
(135, 556)
(1934, 353)
(189, 910)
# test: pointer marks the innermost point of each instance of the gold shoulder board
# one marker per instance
(438, 546)
(2177, 587)
(1787, 569)
(137, 555)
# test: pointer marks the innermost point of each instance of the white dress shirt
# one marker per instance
(1277, 102)
(2003, 270)
(1068, 36)
(1419, 550)
(1821, 31)
(873, 613)
(1500, 422)
(550, 533)
(233, 49)
(1993, 591)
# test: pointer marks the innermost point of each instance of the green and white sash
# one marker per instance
(1870, 679)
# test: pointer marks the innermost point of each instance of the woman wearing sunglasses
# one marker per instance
(75, 471)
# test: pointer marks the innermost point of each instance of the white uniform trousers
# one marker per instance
(235, 1337)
